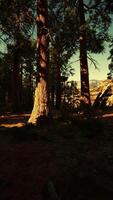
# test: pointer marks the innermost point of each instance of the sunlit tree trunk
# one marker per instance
(41, 100)
(85, 92)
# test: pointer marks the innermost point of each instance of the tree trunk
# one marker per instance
(52, 93)
(58, 88)
(85, 92)
(30, 87)
(16, 87)
(16, 82)
(41, 100)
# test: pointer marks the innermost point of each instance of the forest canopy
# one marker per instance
(37, 40)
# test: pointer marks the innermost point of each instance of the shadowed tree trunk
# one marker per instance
(30, 86)
(53, 91)
(58, 87)
(41, 101)
(16, 82)
(85, 93)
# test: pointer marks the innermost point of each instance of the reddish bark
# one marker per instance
(41, 101)
(85, 92)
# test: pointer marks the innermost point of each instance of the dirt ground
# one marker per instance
(66, 161)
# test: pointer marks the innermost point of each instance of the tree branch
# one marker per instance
(93, 6)
(94, 62)
(74, 61)
(3, 40)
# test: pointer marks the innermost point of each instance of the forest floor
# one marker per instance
(68, 159)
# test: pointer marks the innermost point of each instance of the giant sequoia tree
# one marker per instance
(41, 101)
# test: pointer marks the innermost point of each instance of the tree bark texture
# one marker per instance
(85, 92)
(41, 100)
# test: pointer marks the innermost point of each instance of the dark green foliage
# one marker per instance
(18, 12)
(17, 24)
(63, 34)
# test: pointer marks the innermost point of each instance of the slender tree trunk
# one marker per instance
(53, 93)
(16, 82)
(41, 100)
(9, 96)
(21, 87)
(85, 92)
(30, 89)
(58, 87)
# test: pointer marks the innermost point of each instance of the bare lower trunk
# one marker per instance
(40, 102)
